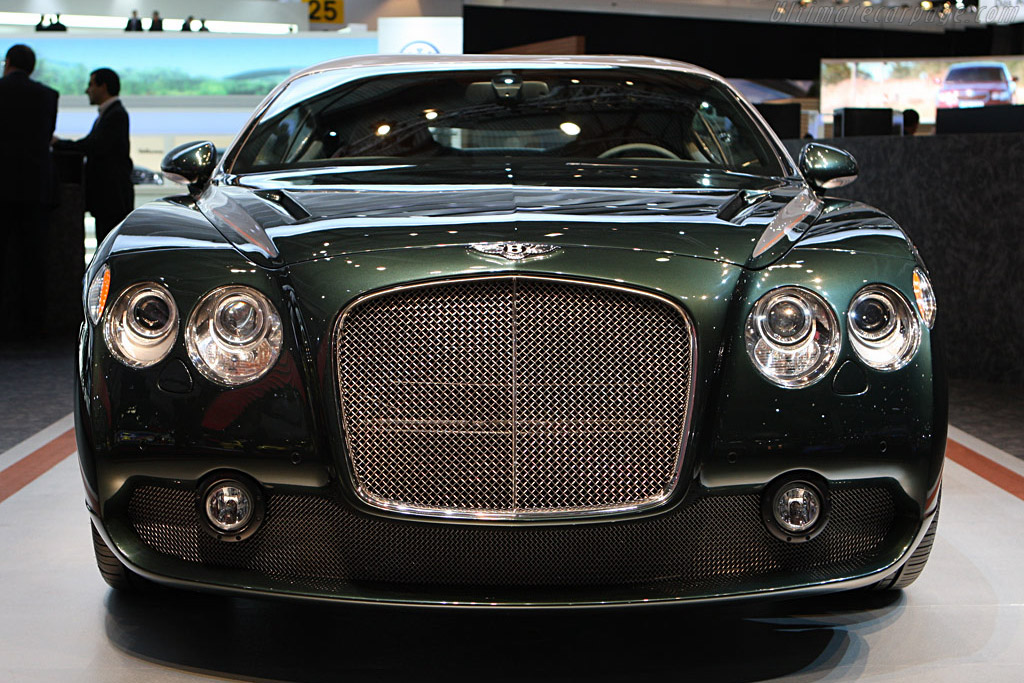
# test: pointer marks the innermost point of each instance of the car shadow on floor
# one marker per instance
(296, 641)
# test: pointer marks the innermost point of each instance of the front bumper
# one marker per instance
(314, 544)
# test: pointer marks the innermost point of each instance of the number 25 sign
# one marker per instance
(326, 11)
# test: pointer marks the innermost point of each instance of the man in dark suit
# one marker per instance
(28, 114)
(134, 22)
(109, 194)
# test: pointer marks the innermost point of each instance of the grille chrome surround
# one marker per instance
(460, 401)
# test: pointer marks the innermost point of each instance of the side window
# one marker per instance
(283, 140)
(721, 141)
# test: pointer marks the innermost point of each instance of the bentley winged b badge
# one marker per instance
(514, 251)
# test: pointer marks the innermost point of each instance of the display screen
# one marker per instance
(184, 65)
(925, 85)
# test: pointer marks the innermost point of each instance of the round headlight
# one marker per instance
(234, 335)
(787, 321)
(142, 325)
(925, 297)
(873, 316)
(884, 331)
(792, 337)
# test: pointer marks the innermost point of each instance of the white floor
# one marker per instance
(962, 621)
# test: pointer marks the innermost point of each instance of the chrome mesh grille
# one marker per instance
(514, 396)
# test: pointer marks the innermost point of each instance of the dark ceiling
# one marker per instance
(732, 48)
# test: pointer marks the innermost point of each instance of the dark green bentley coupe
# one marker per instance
(513, 331)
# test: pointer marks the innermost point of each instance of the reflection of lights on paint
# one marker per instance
(383, 129)
(570, 128)
(704, 105)
(333, 133)
(629, 82)
(509, 80)
(661, 259)
(926, 5)
(431, 114)
(575, 80)
(553, 234)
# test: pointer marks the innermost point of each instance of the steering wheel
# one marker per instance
(623, 150)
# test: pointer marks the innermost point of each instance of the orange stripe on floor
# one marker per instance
(36, 464)
(42, 460)
(1003, 477)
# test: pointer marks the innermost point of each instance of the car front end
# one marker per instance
(504, 380)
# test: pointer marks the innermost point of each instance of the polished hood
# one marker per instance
(293, 216)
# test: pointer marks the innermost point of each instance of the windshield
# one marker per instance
(975, 74)
(628, 115)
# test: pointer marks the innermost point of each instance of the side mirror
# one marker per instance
(826, 168)
(191, 164)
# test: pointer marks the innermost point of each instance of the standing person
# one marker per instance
(187, 24)
(109, 194)
(911, 120)
(134, 22)
(28, 114)
(156, 23)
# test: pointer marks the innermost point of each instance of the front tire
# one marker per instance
(909, 572)
(112, 570)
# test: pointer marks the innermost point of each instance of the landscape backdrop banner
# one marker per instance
(183, 65)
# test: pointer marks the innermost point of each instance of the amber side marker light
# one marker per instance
(924, 296)
(99, 290)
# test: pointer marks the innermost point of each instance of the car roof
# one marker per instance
(971, 65)
(391, 63)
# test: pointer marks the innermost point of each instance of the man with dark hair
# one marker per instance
(911, 120)
(109, 194)
(28, 114)
(134, 22)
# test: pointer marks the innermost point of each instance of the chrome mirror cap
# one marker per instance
(190, 164)
(826, 168)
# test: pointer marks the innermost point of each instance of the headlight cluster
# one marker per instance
(792, 335)
(884, 331)
(142, 325)
(233, 336)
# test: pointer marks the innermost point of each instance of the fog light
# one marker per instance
(229, 506)
(797, 508)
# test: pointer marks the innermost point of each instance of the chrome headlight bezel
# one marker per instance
(897, 344)
(128, 338)
(814, 346)
(231, 357)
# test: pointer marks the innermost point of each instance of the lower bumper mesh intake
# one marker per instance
(711, 544)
